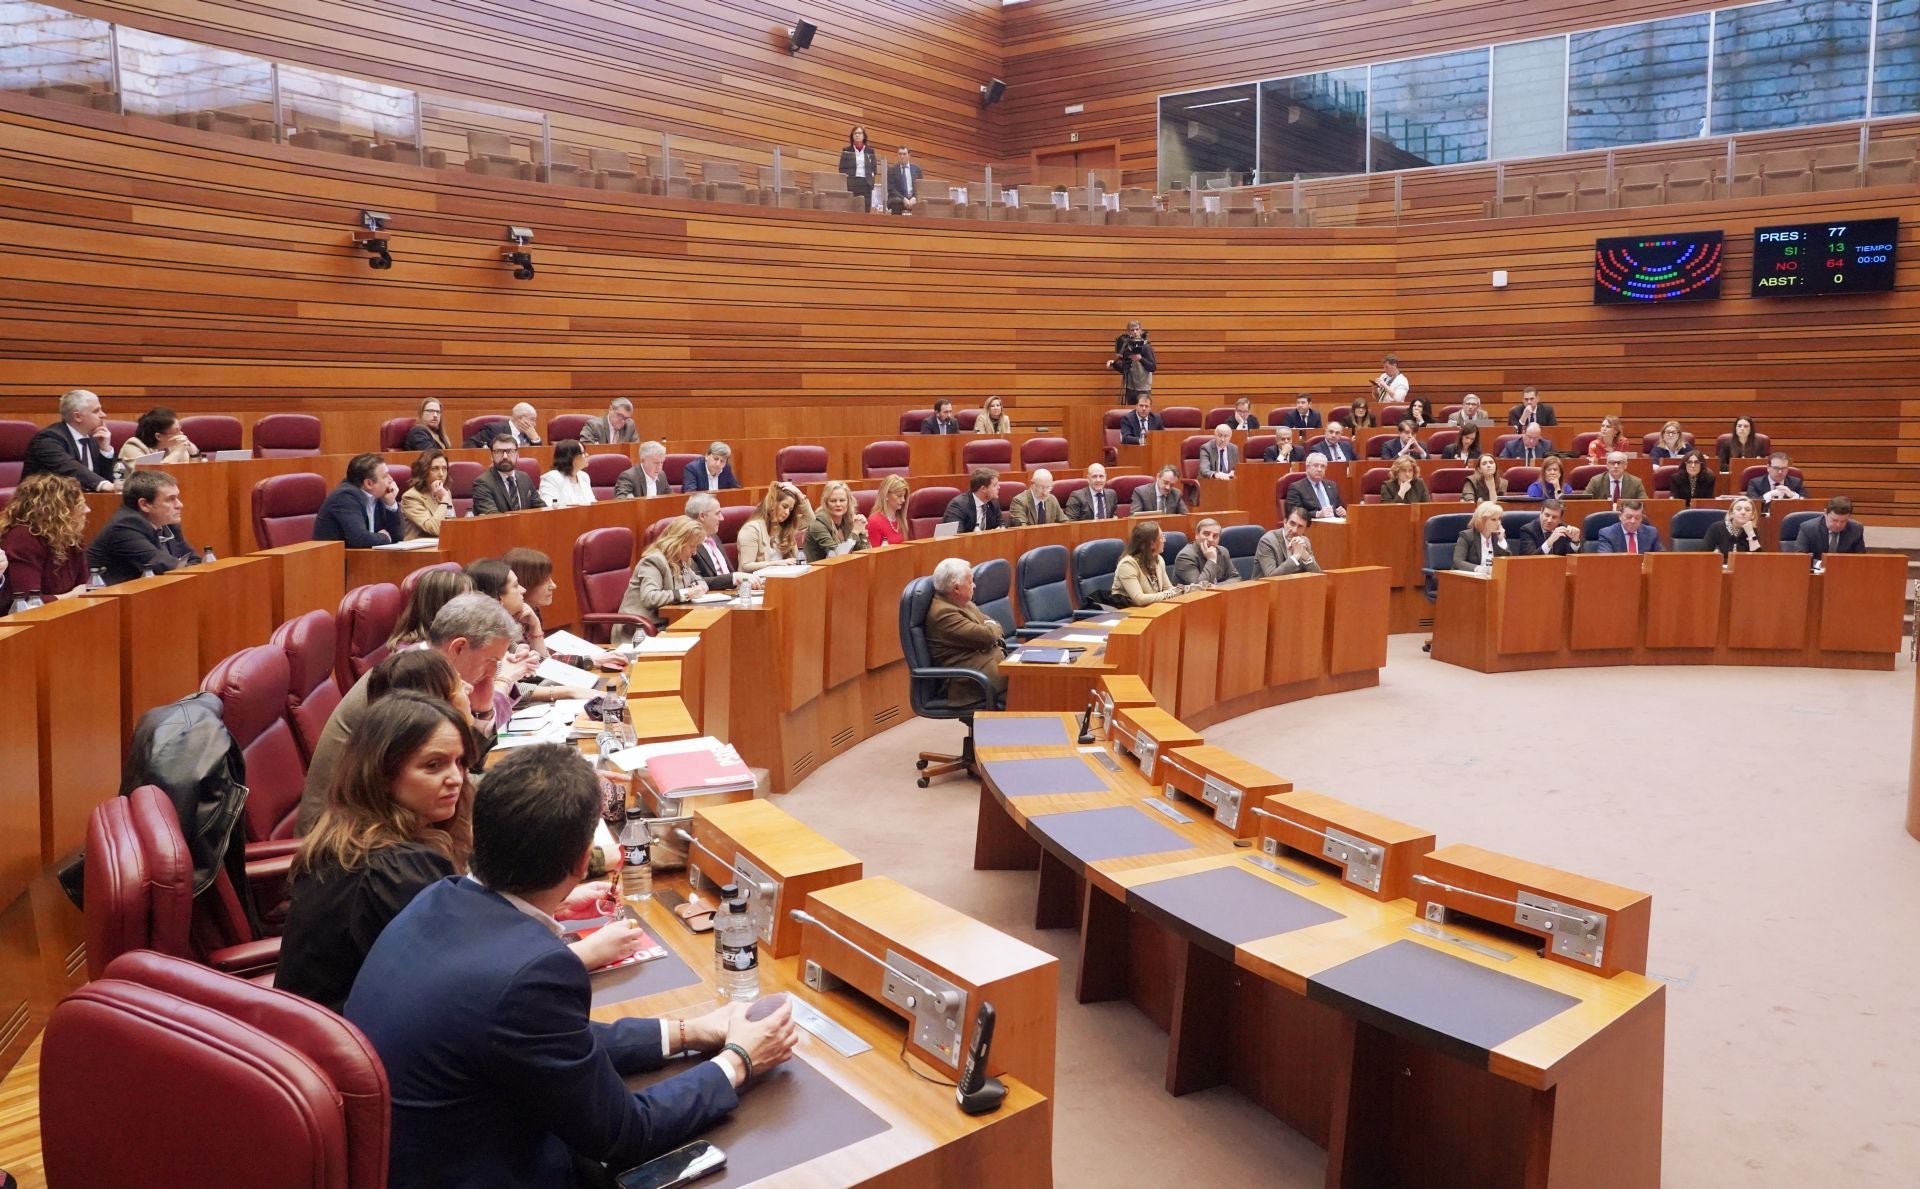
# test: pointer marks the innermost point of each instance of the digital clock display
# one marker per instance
(1657, 269)
(1810, 259)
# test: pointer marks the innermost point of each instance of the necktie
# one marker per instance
(1099, 505)
(513, 493)
(1616, 489)
(1633, 542)
(1833, 542)
(906, 174)
(370, 521)
(1040, 511)
(86, 452)
(1320, 495)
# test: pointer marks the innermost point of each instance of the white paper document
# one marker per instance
(567, 644)
(561, 673)
(409, 546)
(663, 645)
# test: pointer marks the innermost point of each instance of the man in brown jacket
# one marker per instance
(960, 635)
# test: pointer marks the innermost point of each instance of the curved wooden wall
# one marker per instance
(237, 291)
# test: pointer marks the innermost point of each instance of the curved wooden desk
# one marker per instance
(1673, 609)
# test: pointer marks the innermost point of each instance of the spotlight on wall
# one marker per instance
(800, 35)
(520, 258)
(370, 240)
(991, 91)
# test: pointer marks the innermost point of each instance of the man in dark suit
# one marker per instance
(1243, 419)
(943, 421)
(979, 507)
(504, 487)
(646, 478)
(1286, 550)
(364, 510)
(1408, 443)
(1529, 448)
(1530, 411)
(614, 429)
(1283, 449)
(1316, 494)
(1633, 534)
(1302, 415)
(1139, 421)
(1203, 561)
(903, 184)
(1836, 531)
(1220, 457)
(77, 446)
(1336, 446)
(710, 559)
(143, 537)
(1094, 501)
(1162, 496)
(1551, 534)
(479, 1011)
(712, 471)
(1779, 483)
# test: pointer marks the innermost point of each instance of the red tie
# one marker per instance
(1633, 542)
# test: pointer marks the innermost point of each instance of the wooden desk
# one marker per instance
(1673, 609)
(75, 645)
(235, 598)
(307, 577)
(20, 734)
(160, 625)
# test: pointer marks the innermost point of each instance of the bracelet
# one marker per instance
(746, 1062)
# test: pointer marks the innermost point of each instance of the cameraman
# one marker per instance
(1133, 358)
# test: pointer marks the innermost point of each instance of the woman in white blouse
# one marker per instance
(566, 485)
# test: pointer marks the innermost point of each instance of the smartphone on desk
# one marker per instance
(682, 1166)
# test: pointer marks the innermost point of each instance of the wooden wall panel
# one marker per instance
(1118, 56)
(718, 69)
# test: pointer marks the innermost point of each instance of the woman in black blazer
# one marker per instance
(859, 163)
(1738, 533)
(1693, 481)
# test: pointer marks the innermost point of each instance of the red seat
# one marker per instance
(1280, 487)
(967, 418)
(1338, 415)
(602, 471)
(1218, 415)
(393, 433)
(567, 425)
(531, 470)
(1446, 413)
(925, 507)
(1043, 452)
(284, 508)
(460, 477)
(212, 432)
(1759, 472)
(1442, 440)
(139, 893)
(365, 622)
(1008, 490)
(412, 579)
(14, 436)
(1447, 481)
(1647, 441)
(1377, 445)
(1389, 416)
(1123, 486)
(1580, 476)
(654, 530)
(674, 466)
(1521, 478)
(401, 473)
(1180, 417)
(913, 419)
(1583, 440)
(1662, 481)
(312, 690)
(1371, 482)
(602, 567)
(215, 1079)
(885, 458)
(1112, 418)
(285, 435)
(1257, 445)
(473, 425)
(1063, 489)
(1761, 442)
(1500, 443)
(863, 501)
(987, 452)
(731, 518)
(1190, 453)
(119, 431)
(801, 464)
(252, 686)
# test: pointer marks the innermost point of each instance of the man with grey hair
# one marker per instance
(1204, 561)
(961, 636)
(1469, 413)
(77, 446)
(710, 560)
(473, 631)
(524, 424)
(1616, 484)
(1316, 495)
(646, 478)
(1036, 505)
(614, 429)
(712, 471)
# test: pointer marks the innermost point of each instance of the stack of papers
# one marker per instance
(409, 546)
(560, 672)
(783, 571)
(564, 643)
(693, 772)
(661, 645)
(635, 759)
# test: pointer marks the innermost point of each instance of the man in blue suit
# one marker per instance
(479, 1012)
(712, 471)
(1633, 534)
(364, 510)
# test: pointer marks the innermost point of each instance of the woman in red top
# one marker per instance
(888, 524)
(40, 533)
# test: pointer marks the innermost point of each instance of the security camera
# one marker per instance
(520, 235)
(377, 254)
(522, 262)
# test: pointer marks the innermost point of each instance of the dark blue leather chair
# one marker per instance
(1171, 544)
(993, 594)
(1591, 526)
(1790, 529)
(1438, 538)
(1513, 522)
(1046, 590)
(1689, 528)
(927, 684)
(1241, 541)
(1093, 565)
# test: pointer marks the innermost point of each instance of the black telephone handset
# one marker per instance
(977, 1093)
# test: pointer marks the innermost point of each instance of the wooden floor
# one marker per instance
(20, 1121)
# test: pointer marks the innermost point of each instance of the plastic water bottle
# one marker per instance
(96, 578)
(28, 602)
(207, 555)
(636, 858)
(727, 894)
(739, 954)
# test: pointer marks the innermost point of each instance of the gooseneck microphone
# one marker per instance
(947, 999)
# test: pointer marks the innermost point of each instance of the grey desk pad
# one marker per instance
(668, 973)
(1090, 835)
(1226, 907)
(1445, 1001)
(1040, 778)
(787, 1117)
(1019, 732)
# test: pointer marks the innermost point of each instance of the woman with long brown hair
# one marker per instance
(1612, 436)
(1141, 577)
(776, 533)
(427, 500)
(40, 534)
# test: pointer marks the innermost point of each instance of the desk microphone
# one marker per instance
(1086, 723)
(946, 1000)
(977, 1093)
(1586, 920)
